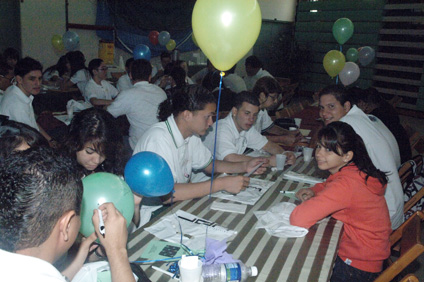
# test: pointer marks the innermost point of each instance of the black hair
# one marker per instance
(38, 186)
(13, 134)
(165, 55)
(254, 62)
(5, 68)
(340, 138)
(189, 98)
(11, 53)
(178, 74)
(27, 65)
(77, 61)
(211, 80)
(60, 66)
(129, 62)
(245, 96)
(266, 85)
(93, 65)
(99, 127)
(141, 69)
(339, 92)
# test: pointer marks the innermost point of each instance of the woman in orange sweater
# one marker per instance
(353, 194)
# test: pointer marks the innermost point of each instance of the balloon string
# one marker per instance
(337, 77)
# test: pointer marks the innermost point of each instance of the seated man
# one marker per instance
(40, 204)
(17, 100)
(236, 133)
(165, 59)
(98, 91)
(267, 90)
(254, 71)
(140, 103)
(124, 81)
(233, 81)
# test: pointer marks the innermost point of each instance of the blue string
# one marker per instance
(337, 77)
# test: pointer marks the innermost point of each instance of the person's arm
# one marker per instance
(273, 148)
(284, 136)
(114, 242)
(100, 102)
(231, 184)
(238, 167)
(72, 269)
(49, 139)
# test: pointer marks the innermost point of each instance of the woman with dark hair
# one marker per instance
(185, 117)
(61, 70)
(79, 73)
(335, 105)
(96, 142)
(16, 136)
(353, 194)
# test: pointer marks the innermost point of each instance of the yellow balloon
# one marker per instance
(171, 45)
(334, 61)
(226, 29)
(57, 42)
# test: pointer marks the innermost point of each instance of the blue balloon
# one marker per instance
(70, 40)
(149, 175)
(142, 51)
(164, 38)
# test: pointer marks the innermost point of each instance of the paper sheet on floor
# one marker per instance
(193, 229)
(255, 190)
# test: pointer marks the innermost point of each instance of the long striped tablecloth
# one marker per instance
(309, 258)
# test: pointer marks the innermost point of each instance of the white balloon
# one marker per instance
(349, 74)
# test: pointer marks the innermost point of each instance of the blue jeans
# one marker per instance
(343, 272)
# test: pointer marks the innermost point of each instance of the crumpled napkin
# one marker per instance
(302, 177)
(77, 106)
(216, 252)
(276, 221)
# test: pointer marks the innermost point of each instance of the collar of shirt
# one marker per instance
(175, 132)
(234, 128)
(21, 95)
(141, 83)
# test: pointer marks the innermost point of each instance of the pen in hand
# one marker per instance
(102, 229)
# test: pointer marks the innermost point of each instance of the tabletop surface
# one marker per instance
(309, 258)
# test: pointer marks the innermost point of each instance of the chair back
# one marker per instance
(411, 246)
(406, 174)
(418, 160)
(410, 278)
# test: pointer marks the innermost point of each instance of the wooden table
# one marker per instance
(309, 258)
(54, 100)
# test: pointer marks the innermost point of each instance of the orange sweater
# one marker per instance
(363, 210)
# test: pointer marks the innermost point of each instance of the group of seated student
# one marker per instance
(59, 72)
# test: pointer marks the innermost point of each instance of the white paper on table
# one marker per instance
(193, 228)
(302, 177)
(253, 192)
(305, 132)
(276, 221)
(229, 207)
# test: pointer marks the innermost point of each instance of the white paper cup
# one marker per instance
(307, 153)
(297, 121)
(189, 271)
(281, 161)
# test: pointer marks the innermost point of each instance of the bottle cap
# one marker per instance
(254, 270)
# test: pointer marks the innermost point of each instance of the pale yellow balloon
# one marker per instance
(226, 29)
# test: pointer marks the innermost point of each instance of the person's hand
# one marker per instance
(234, 184)
(116, 233)
(250, 165)
(305, 194)
(137, 200)
(291, 157)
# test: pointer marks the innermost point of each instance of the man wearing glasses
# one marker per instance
(98, 91)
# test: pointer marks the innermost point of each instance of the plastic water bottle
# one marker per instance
(234, 272)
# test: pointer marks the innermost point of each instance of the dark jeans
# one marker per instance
(343, 273)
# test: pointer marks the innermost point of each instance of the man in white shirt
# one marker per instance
(40, 204)
(98, 91)
(233, 81)
(254, 71)
(17, 100)
(124, 82)
(165, 58)
(140, 103)
(236, 133)
(335, 105)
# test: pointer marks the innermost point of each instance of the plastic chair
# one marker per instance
(409, 236)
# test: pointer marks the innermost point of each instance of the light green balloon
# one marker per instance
(352, 55)
(102, 188)
(342, 30)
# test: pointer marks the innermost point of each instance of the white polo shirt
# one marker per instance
(17, 267)
(382, 157)
(140, 104)
(104, 91)
(230, 140)
(18, 106)
(182, 155)
(124, 83)
(234, 82)
(263, 121)
(80, 78)
(251, 80)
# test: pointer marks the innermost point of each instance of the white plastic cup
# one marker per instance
(297, 121)
(281, 161)
(190, 269)
(307, 154)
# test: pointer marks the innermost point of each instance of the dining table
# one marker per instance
(308, 258)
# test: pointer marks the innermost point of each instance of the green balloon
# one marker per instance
(352, 55)
(342, 30)
(101, 188)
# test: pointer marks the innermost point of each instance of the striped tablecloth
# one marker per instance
(296, 259)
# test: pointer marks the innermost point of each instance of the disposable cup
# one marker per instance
(190, 269)
(307, 153)
(281, 161)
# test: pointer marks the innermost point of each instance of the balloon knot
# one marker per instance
(222, 73)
